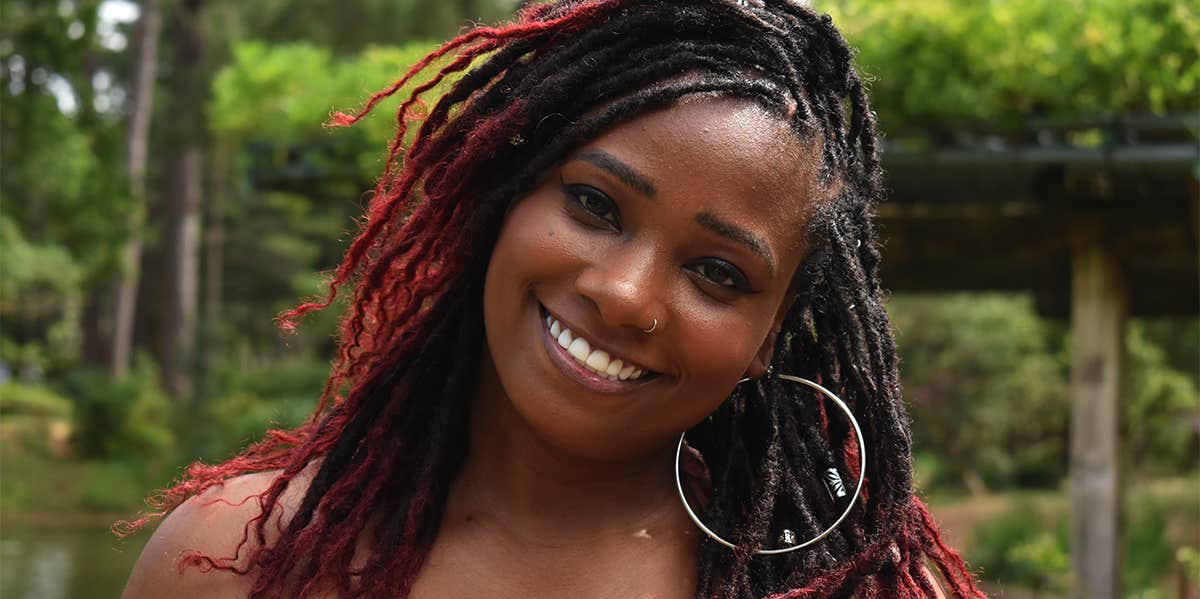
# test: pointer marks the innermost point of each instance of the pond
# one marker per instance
(61, 562)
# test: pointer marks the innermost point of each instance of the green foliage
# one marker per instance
(1024, 548)
(1028, 546)
(32, 400)
(128, 418)
(62, 182)
(40, 300)
(986, 386)
(1180, 340)
(345, 27)
(34, 274)
(1188, 559)
(1148, 554)
(35, 482)
(260, 93)
(268, 92)
(265, 267)
(1160, 409)
(285, 92)
(279, 396)
(285, 382)
(35, 419)
(941, 65)
(53, 487)
(114, 485)
(268, 106)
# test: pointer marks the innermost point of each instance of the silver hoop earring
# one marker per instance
(832, 478)
(652, 327)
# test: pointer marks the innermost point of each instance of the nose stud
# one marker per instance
(652, 327)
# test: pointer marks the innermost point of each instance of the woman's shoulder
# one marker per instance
(211, 524)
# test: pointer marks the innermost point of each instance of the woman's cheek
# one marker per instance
(543, 233)
(718, 348)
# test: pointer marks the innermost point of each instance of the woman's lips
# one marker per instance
(587, 377)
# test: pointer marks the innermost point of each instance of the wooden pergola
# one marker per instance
(1097, 235)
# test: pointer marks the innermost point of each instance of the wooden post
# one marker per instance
(1099, 308)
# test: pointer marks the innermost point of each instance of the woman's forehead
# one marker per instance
(736, 135)
(738, 156)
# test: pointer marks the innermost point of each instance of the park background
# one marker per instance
(167, 188)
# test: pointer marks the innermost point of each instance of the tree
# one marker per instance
(182, 200)
(137, 144)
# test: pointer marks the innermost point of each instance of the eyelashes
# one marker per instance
(722, 273)
(594, 203)
(594, 208)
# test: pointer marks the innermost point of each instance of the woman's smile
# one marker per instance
(580, 356)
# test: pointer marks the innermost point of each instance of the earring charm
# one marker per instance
(652, 327)
(788, 537)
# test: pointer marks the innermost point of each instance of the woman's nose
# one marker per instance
(625, 287)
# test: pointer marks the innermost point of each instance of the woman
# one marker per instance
(620, 211)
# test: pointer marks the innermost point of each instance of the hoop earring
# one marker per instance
(787, 534)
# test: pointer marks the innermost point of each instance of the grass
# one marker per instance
(45, 485)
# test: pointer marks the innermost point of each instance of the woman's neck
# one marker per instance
(536, 490)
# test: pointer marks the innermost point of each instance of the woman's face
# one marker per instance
(694, 217)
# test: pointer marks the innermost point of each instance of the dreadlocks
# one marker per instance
(389, 432)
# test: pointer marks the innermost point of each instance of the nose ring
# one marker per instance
(652, 327)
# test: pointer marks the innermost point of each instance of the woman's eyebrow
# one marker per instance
(733, 232)
(620, 170)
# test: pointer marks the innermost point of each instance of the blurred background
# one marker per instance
(167, 188)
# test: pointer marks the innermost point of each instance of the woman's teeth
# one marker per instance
(598, 360)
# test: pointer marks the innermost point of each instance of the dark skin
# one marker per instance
(694, 217)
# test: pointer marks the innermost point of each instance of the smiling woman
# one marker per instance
(648, 227)
(608, 233)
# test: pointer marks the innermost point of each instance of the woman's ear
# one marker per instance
(766, 352)
(762, 358)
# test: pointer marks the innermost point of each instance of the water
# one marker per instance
(64, 562)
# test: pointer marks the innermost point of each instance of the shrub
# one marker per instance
(32, 400)
(1029, 546)
(128, 418)
(36, 419)
(986, 384)
(1022, 548)
(281, 396)
(114, 485)
(939, 65)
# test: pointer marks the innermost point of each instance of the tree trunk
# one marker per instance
(125, 291)
(181, 241)
(96, 325)
(95, 319)
(214, 259)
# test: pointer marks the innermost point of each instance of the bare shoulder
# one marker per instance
(213, 524)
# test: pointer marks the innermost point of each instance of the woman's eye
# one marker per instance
(594, 203)
(723, 274)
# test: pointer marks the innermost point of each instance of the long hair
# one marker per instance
(389, 433)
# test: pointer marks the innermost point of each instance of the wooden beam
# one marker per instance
(1099, 310)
